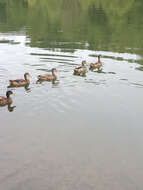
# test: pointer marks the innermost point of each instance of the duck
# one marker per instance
(81, 70)
(6, 100)
(48, 77)
(96, 65)
(20, 82)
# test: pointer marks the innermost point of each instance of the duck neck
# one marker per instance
(99, 59)
(83, 64)
(8, 96)
(53, 73)
(26, 78)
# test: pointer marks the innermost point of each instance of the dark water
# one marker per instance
(79, 133)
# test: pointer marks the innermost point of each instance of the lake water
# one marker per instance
(79, 133)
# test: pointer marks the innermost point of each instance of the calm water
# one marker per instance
(80, 133)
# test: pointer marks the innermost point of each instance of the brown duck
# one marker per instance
(96, 65)
(6, 100)
(81, 70)
(48, 77)
(20, 82)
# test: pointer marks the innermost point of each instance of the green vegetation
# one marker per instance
(116, 25)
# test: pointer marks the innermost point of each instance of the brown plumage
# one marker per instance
(96, 65)
(48, 77)
(20, 82)
(81, 70)
(6, 100)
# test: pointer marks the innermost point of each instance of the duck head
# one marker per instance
(8, 93)
(54, 70)
(26, 76)
(84, 63)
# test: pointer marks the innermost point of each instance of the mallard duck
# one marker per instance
(20, 82)
(81, 70)
(6, 100)
(96, 65)
(48, 77)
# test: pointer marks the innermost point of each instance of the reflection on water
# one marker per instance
(9, 107)
(82, 24)
(101, 71)
(26, 87)
(140, 68)
(55, 83)
(75, 132)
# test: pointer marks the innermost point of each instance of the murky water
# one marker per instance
(79, 132)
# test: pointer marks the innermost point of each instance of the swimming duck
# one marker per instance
(96, 65)
(6, 100)
(20, 82)
(81, 70)
(48, 77)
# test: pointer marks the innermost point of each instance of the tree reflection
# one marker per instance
(115, 26)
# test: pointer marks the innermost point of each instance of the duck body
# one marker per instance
(48, 77)
(81, 70)
(20, 82)
(96, 65)
(6, 100)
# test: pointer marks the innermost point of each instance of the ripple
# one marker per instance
(102, 72)
(46, 70)
(124, 79)
(54, 55)
(37, 65)
(48, 58)
(137, 85)
(139, 68)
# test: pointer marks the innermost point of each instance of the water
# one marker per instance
(79, 132)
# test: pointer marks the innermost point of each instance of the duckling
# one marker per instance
(96, 65)
(81, 70)
(48, 77)
(6, 100)
(20, 82)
